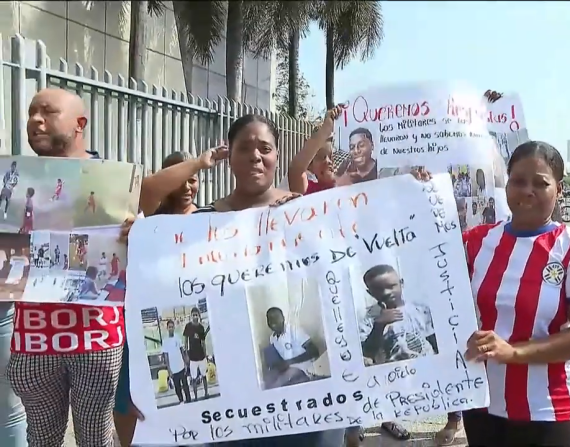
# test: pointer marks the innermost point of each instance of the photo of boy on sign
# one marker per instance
(393, 329)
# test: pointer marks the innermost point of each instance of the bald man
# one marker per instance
(56, 123)
(76, 361)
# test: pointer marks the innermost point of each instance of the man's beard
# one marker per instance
(57, 148)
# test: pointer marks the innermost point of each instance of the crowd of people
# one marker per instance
(517, 269)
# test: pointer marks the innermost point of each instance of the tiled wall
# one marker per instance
(95, 33)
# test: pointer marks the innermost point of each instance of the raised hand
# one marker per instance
(213, 156)
(126, 229)
(493, 96)
(334, 113)
(420, 173)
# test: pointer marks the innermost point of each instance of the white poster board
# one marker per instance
(442, 127)
(507, 124)
(279, 305)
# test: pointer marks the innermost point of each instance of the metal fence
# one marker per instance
(129, 122)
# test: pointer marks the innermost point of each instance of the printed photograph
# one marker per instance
(288, 333)
(475, 211)
(40, 250)
(78, 247)
(59, 250)
(38, 286)
(97, 268)
(15, 259)
(508, 142)
(462, 212)
(488, 212)
(461, 180)
(180, 354)
(392, 326)
(37, 194)
(480, 182)
(499, 169)
(360, 165)
(109, 190)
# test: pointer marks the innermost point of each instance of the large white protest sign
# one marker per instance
(254, 324)
(442, 127)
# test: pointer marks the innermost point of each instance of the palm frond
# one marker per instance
(156, 7)
(268, 24)
(203, 25)
(358, 30)
(357, 27)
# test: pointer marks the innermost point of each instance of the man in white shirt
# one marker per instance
(172, 350)
(295, 348)
(474, 216)
(103, 266)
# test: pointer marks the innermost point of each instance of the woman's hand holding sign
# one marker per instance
(487, 345)
(126, 229)
(421, 173)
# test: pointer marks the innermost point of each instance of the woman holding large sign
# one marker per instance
(253, 144)
(253, 156)
(172, 190)
(519, 279)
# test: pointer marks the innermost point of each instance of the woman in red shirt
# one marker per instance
(521, 289)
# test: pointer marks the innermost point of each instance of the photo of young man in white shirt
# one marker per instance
(296, 350)
(172, 350)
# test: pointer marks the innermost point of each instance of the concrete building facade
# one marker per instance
(96, 33)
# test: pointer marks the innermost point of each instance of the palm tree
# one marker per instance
(235, 48)
(283, 26)
(352, 28)
(199, 26)
(138, 38)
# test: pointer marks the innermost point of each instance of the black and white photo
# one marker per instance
(392, 328)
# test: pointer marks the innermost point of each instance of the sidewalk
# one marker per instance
(422, 436)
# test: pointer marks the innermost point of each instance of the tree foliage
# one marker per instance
(352, 29)
(281, 95)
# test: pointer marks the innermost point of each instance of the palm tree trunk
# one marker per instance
(137, 42)
(186, 55)
(294, 39)
(329, 67)
(234, 50)
(137, 63)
